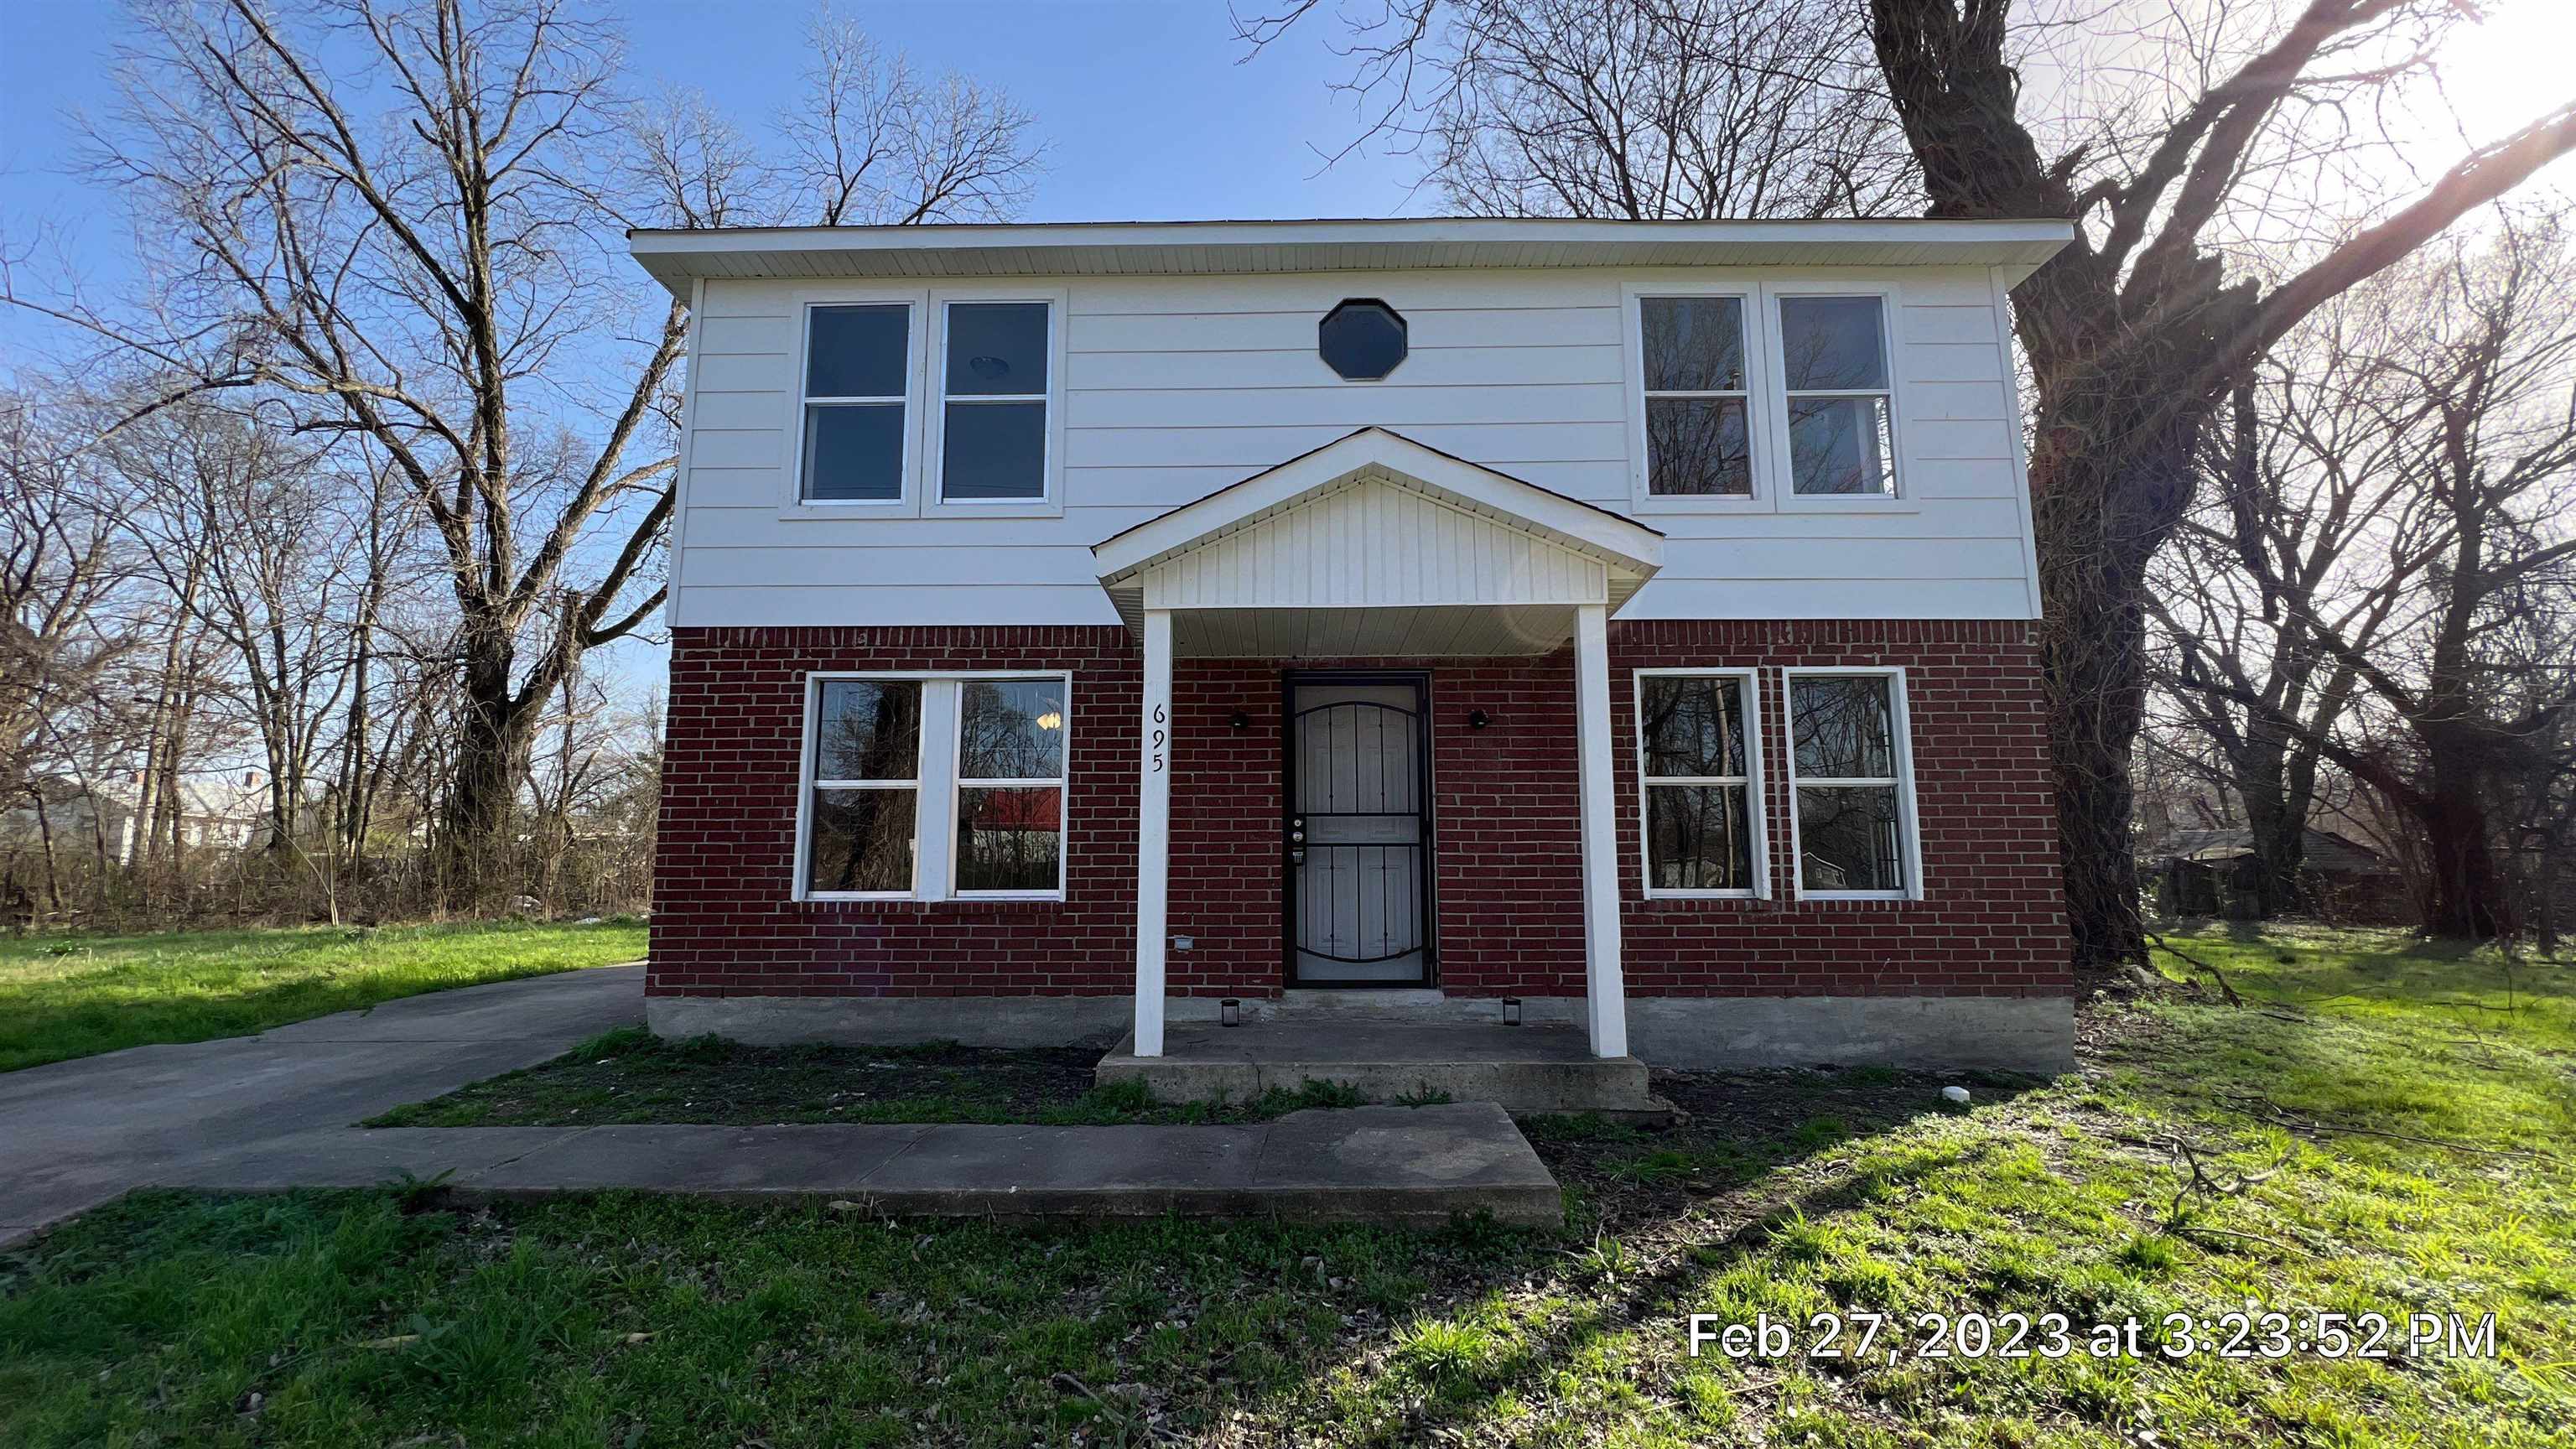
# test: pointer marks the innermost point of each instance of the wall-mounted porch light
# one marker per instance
(1239, 720)
(1477, 719)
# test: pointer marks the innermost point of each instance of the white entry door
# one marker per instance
(1358, 832)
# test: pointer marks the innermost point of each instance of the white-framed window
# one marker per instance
(1699, 783)
(1695, 373)
(997, 373)
(854, 419)
(862, 795)
(922, 786)
(1011, 745)
(1838, 416)
(1851, 784)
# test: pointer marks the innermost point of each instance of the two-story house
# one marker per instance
(1079, 627)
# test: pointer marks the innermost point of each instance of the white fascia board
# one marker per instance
(1170, 248)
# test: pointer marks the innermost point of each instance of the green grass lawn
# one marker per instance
(630, 1075)
(2377, 1130)
(71, 996)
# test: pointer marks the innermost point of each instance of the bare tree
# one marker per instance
(394, 219)
(873, 142)
(67, 645)
(2138, 332)
(2403, 537)
(1637, 111)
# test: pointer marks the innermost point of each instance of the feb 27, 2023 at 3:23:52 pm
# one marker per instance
(2251, 1333)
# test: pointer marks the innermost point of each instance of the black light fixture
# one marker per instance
(1239, 720)
(1511, 1011)
(1229, 1012)
(1477, 719)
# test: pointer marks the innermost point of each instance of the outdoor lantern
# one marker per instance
(1229, 1012)
(1239, 720)
(1511, 1011)
(1477, 719)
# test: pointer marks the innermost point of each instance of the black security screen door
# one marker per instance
(1356, 834)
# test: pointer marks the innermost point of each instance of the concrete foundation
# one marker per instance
(1524, 1068)
(2033, 1034)
(993, 1021)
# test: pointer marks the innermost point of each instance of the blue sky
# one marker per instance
(1147, 113)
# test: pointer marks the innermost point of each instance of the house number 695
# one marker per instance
(1159, 737)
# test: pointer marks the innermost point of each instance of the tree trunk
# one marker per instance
(2468, 890)
(2276, 811)
(2098, 517)
(493, 743)
(45, 834)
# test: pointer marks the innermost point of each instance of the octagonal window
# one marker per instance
(1362, 339)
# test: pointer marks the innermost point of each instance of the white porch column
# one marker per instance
(1153, 832)
(1605, 998)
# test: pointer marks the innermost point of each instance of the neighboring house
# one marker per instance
(213, 812)
(1075, 626)
(2215, 873)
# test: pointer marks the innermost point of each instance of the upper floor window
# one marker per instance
(1698, 442)
(856, 380)
(1842, 426)
(1849, 766)
(1697, 746)
(993, 401)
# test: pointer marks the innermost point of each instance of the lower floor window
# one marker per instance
(974, 768)
(1697, 744)
(1848, 769)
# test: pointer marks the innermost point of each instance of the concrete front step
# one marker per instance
(1398, 1165)
(1535, 1068)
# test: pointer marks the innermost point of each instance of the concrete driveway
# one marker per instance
(75, 1134)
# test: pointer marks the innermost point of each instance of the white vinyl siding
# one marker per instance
(1173, 387)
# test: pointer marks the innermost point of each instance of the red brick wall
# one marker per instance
(1992, 922)
(1510, 915)
(724, 920)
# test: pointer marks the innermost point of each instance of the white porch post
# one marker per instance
(1153, 832)
(1605, 1000)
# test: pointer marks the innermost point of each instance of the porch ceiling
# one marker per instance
(1375, 545)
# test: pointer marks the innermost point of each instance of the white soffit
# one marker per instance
(1375, 521)
(1123, 248)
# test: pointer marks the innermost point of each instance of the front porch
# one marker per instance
(1375, 548)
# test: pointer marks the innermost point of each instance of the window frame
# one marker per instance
(1909, 822)
(1783, 461)
(907, 500)
(1748, 684)
(1757, 385)
(1050, 501)
(1061, 783)
(808, 783)
(935, 786)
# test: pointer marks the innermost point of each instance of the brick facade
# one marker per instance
(1509, 910)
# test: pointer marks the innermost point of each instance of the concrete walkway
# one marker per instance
(75, 1134)
(1367, 1164)
(276, 1111)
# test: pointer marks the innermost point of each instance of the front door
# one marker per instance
(1358, 830)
